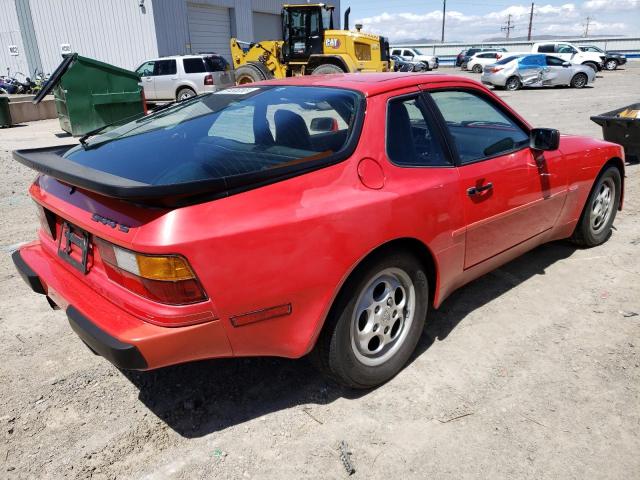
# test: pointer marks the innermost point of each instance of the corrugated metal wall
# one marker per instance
(119, 32)
(10, 35)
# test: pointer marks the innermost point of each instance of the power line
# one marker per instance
(508, 27)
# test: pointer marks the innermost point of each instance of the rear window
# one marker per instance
(193, 65)
(231, 132)
(506, 60)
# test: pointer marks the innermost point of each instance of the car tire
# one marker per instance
(513, 84)
(251, 73)
(592, 65)
(594, 226)
(611, 64)
(477, 68)
(327, 69)
(387, 294)
(185, 93)
(579, 80)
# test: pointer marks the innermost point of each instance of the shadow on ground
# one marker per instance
(199, 398)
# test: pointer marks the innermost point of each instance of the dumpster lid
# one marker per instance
(54, 78)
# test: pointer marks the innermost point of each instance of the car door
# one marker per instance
(531, 69)
(146, 78)
(407, 54)
(556, 71)
(165, 77)
(509, 192)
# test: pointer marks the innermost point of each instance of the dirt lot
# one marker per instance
(532, 371)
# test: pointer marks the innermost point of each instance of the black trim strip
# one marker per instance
(122, 355)
(30, 277)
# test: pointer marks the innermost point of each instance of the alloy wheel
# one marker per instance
(602, 205)
(383, 316)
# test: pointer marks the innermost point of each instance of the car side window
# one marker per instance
(165, 67)
(408, 53)
(146, 69)
(554, 61)
(478, 127)
(396, 52)
(532, 61)
(411, 138)
(564, 48)
(546, 48)
(193, 65)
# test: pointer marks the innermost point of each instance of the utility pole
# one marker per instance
(444, 13)
(530, 22)
(586, 26)
(508, 27)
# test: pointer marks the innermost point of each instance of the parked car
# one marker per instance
(184, 76)
(415, 55)
(477, 62)
(570, 53)
(279, 219)
(464, 56)
(402, 65)
(612, 60)
(515, 72)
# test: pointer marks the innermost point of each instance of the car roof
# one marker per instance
(372, 83)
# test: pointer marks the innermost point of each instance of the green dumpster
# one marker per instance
(5, 113)
(90, 94)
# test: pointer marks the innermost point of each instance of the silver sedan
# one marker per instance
(536, 70)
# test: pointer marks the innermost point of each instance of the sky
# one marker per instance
(475, 20)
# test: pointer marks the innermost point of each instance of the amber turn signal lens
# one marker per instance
(163, 268)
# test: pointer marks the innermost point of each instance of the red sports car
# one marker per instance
(319, 214)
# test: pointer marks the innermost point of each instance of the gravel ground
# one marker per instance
(529, 372)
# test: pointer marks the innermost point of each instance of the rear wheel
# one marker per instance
(594, 227)
(327, 69)
(477, 68)
(185, 93)
(376, 322)
(579, 80)
(611, 64)
(513, 83)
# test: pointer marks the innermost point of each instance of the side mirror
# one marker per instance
(544, 139)
(566, 64)
(324, 124)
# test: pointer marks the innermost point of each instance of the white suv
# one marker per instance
(570, 53)
(415, 55)
(184, 76)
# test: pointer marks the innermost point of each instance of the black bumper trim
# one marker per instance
(122, 355)
(30, 277)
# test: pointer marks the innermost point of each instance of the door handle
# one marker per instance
(482, 188)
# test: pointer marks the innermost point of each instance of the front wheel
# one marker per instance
(611, 64)
(579, 80)
(594, 226)
(376, 322)
(477, 68)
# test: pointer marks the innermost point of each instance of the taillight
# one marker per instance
(161, 278)
(499, 56)
(495, 69)
(208, 80)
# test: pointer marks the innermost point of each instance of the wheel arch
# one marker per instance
(182, 86)
(338, 61)
(405, 244)
(619, 164)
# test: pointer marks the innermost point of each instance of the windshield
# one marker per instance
(226, 133)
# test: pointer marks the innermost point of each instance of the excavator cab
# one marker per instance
(303, 28)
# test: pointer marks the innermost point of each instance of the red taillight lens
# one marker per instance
(208, 80)
(161, 278)
(495, 69)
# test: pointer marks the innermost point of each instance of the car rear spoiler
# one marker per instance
(51, 161)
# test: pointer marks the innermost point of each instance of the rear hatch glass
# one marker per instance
(215, 143)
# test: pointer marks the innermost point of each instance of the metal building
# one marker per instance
(35, 33)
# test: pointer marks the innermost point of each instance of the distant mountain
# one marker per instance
(543, 37)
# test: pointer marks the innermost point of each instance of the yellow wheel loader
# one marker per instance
(310, 46)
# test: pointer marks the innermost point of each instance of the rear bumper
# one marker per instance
(122, 338)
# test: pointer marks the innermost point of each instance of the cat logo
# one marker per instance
(332, 43)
